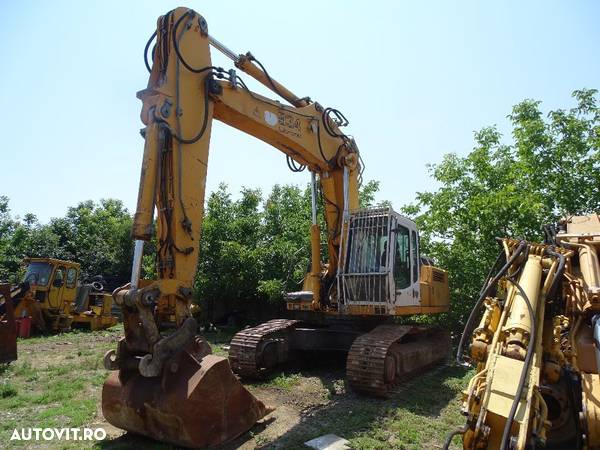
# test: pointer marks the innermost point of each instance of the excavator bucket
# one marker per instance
(196, 404)
(8, 328)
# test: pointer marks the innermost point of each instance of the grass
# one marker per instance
(7, 390)
(283, 381)
(423, 412)
(419, 416)
(58, 379)
(55, 381)
(219, 341)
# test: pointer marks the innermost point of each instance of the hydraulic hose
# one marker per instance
(146, 52)
(559, 272)
(461, 430)
(189, 14)
(524, 371)
(475, 311)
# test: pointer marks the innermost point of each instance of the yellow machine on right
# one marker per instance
(537, 345)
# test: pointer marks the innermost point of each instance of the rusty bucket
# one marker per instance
(8, 329)
(197, 404)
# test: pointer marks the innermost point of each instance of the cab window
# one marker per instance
(367, 251)
(414, 254)
(402, 258)
(38, 273)
(71, 277)
(59, 277)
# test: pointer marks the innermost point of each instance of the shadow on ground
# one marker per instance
(414, 403)
(413, 417)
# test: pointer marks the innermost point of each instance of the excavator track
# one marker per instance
(254, 351)
(388, 354)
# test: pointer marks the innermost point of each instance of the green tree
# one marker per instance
(95, 235)
(252, 249)
(9, 255)
(255, 250)
(286, 254)
(229, 262)
(98, 237)
(551, 169)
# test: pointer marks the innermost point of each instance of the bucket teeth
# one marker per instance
(196, 404)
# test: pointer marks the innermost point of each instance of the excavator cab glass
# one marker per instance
(381, 260)
(368, 249)
(38, 273)
(402, 258)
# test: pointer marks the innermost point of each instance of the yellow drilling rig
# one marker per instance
(536, 346)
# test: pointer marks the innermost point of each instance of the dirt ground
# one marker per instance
(310, 399)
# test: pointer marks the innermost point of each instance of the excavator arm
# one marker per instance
(185, 92)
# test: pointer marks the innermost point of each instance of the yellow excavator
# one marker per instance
(164, 382)
(536, 346)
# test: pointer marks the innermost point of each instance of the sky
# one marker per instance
(415, 79)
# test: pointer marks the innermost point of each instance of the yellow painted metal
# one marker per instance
(435, 292)
(144, 213)
(501, 360)
(177, 105)
(245, 63)
(589, 265)
(583, 236)
(591, 408)
(49, 305)
(185, 93)
(484, 333)
(315, 273)
(503, 387)
(563, 345)
(518, 323)
(98, 315)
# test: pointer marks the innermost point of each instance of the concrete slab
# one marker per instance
(328, 442)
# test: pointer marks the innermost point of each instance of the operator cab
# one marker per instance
(383, 272)
(54, 281)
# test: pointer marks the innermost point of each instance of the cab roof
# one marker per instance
(53, 261)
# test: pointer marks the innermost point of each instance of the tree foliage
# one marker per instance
(96, 235)
(550, 170)
(253, 248)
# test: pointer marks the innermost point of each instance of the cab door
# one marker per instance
(406, 263)
(57, 286)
